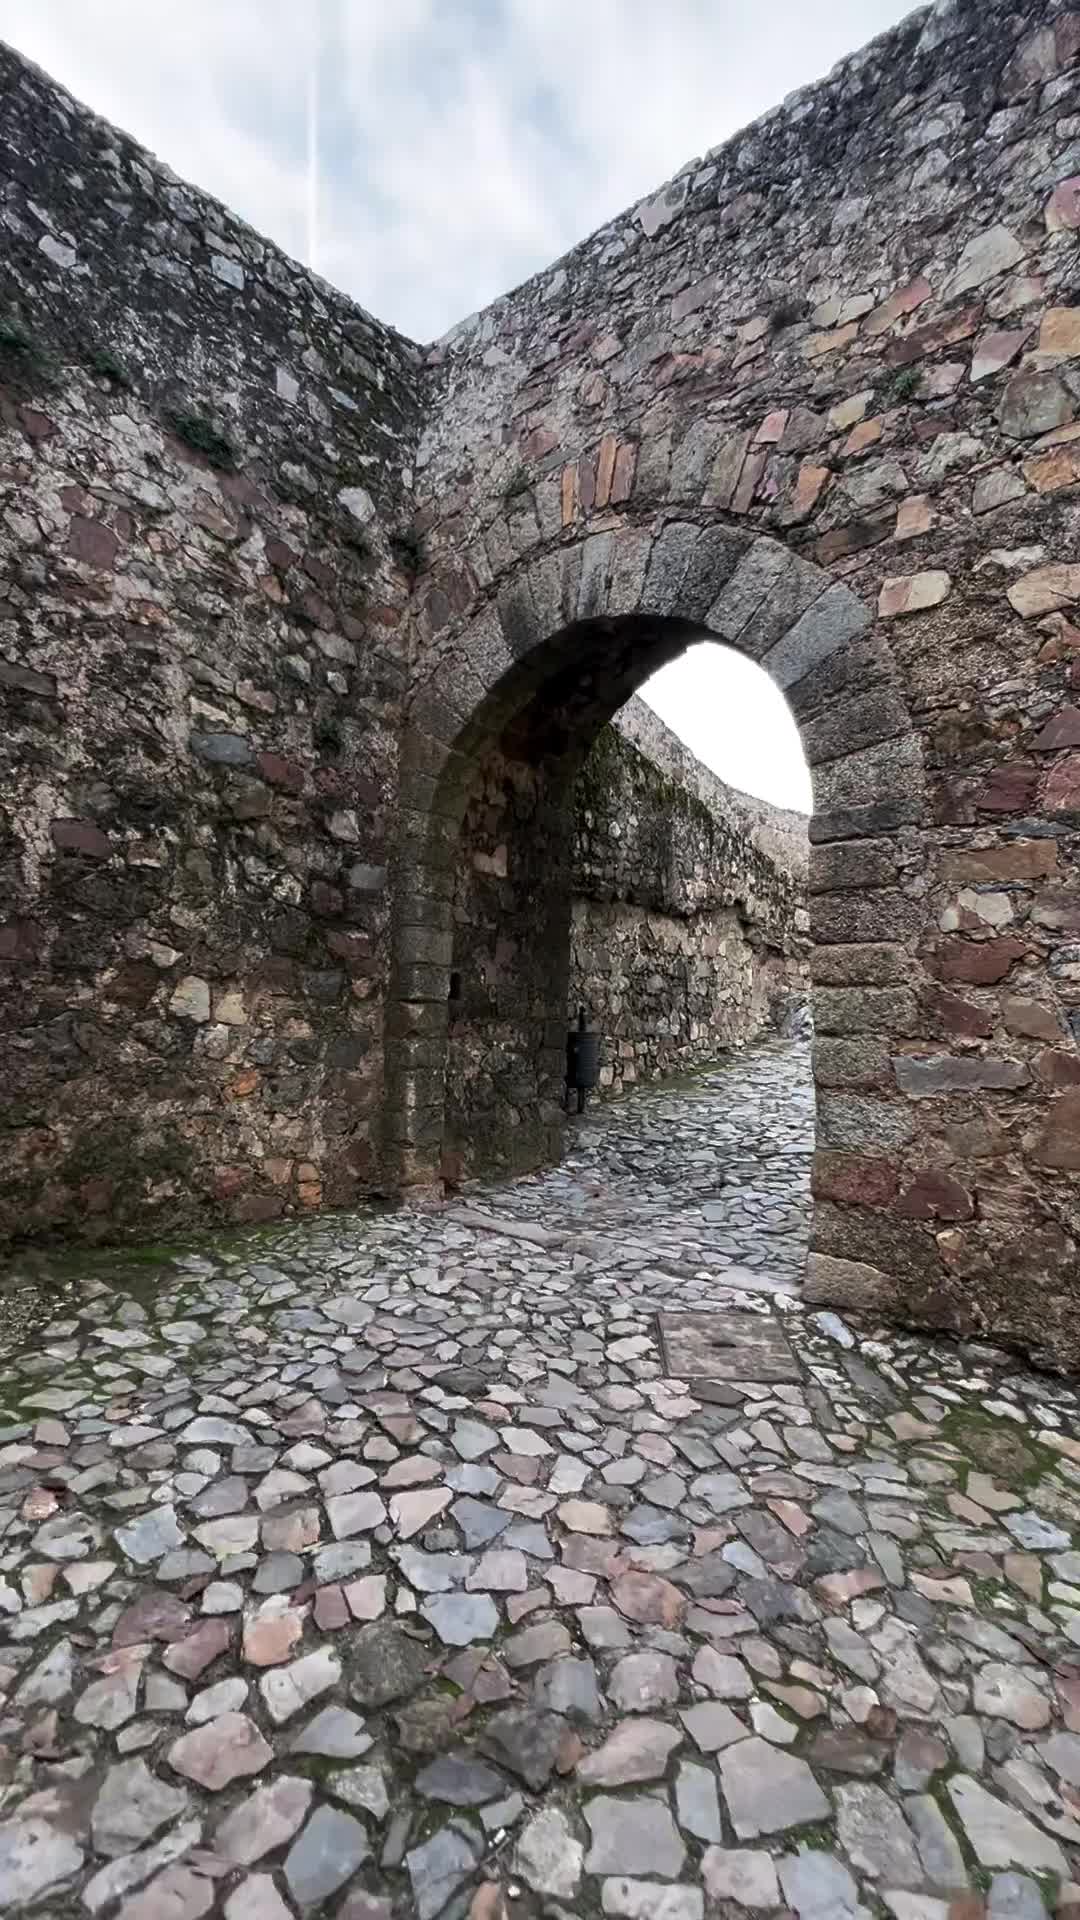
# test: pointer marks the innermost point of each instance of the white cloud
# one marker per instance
(464, 144)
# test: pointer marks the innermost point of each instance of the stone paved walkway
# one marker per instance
(376, 1568)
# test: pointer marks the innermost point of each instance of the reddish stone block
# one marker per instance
(452, 1166)
(1056, 1068)
(256, 1207)
(1008, 789)
(1031, 1019)
(279, 772)
(854, 536)
(852, 1179)
(1061, 788)
(326, 901)
(353, 949)
(569, 495)
(81, 836)
(934, 1196)
(229, 1181)
(538, 443)
(1062, 210)
(1058, 1144)
(92, 541)
(134, 984)
(772, 428)
(605, 468)
(1061, 730)
(313, 607)
(586, 472)
(281, 556)
(753, 468)
(331, 1611)
(959, 325)
(36, 426)
(979, 962)
(241, 491)
(20, 941)
(318, 570)
(96, 1196)
(622, 484)
(956, 1016)
(1017, 860)
(810, 483)
(904, 300)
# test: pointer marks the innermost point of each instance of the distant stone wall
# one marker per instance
(781, 834)
(686, 938)
(202, 659)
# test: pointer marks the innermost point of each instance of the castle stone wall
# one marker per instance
(820, 395)
(203, 459)
(686, 938)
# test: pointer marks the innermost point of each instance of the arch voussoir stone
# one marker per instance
(833, 618)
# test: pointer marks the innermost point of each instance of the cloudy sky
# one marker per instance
(463, 145)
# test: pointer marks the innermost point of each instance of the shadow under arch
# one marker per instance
(564, 640)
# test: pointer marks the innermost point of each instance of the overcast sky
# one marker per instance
(463, 145)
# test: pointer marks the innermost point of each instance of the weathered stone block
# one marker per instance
(835, 618)
(81, 836)
(884, 1240)
(935, 1196)
(861, 1122)
(1031, 1019)
(891, 771)
(922, 1079)
(859, 721)
(861, 1009)
(852, 1285)
(221, 749)
(844, 1062)
(852, 864)
(756, 576)
(874, 963)
(1016, 860)
(951, 1015)
(912, 593)
(979, 962)
(842, 918)
(1058, 1141)
(852, 1179)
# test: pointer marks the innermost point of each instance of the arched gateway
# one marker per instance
(281, 587)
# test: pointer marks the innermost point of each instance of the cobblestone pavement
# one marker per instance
(378, 1567)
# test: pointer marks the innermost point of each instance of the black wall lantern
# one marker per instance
(582, 1059)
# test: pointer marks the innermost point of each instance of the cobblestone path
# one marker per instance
(378, 1567)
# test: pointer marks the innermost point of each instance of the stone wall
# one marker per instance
(685, 938)
(203, 454)
(819, 397)
(623, 891)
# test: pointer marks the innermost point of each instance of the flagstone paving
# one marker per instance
(374, 1568)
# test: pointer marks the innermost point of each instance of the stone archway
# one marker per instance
(565, 639)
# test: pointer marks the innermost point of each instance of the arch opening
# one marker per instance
(586, 876)
(496, 743)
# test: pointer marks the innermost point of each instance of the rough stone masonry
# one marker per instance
(282, 589)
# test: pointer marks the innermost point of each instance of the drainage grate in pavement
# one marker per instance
(730, 1345)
